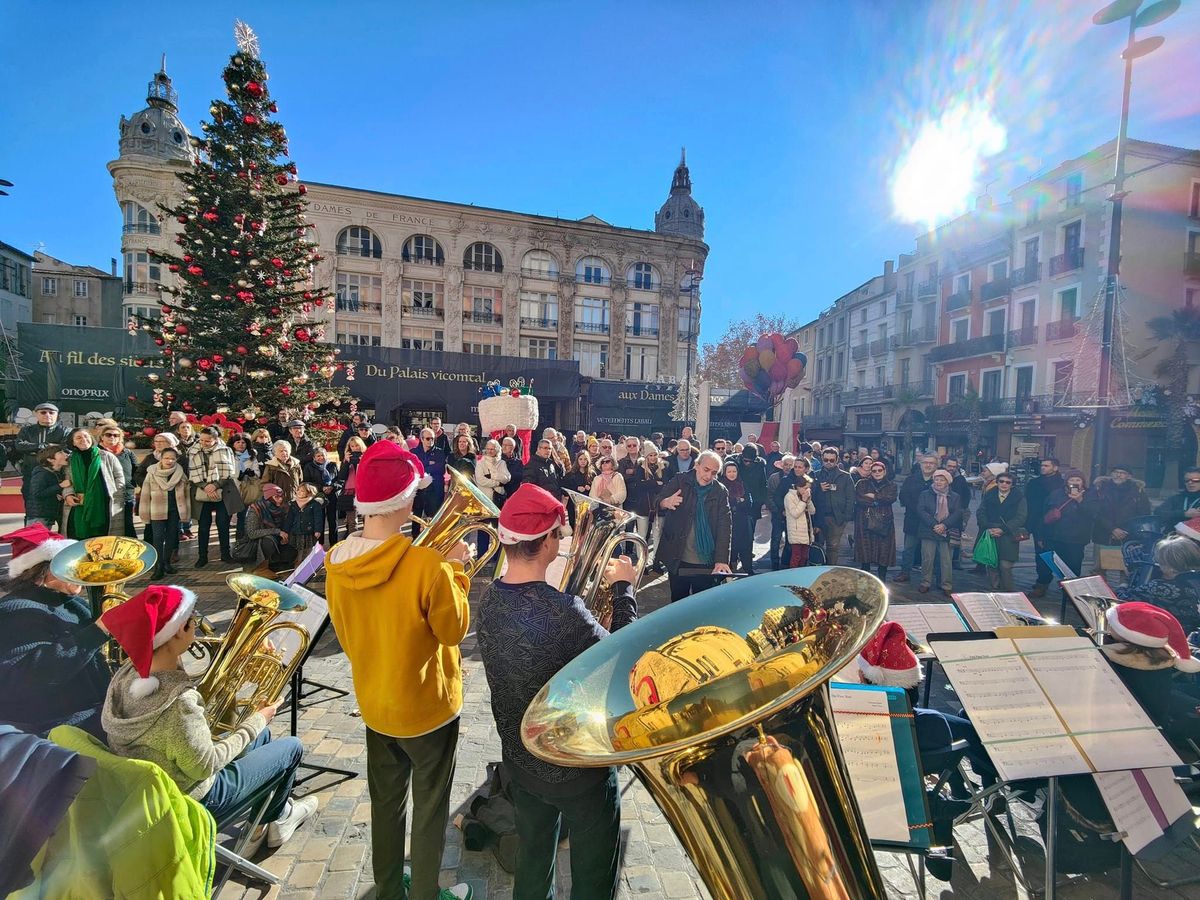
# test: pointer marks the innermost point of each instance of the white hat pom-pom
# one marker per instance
(425, 481)
(143, 687)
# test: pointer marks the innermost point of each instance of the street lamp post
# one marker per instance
(694, 276)
(1115, 12)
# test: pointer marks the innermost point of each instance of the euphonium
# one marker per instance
(103, 565)
(253, 662)
(599, 528)
(466, 509)
(720, 705)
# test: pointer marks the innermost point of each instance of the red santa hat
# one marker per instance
(530, 513)
(1150, 626)
(1189, 528)
(888, 660)
(145, 622)
(388, 477)
(32, 545)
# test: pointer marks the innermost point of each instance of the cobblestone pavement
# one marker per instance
(330, 857)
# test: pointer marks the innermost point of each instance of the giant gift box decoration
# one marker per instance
(514, 405)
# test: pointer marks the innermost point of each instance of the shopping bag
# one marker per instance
(985, 551)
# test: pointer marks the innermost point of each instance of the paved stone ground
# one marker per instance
(330, 857)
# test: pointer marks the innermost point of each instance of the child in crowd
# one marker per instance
(163, 501)
(799, 508)
(307, 518)
(46, 485)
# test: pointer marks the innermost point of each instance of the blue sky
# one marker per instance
(793, 114)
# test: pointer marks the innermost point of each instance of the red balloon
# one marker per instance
(779, 371)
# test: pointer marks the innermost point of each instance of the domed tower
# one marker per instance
(681, 215)
(154, 145)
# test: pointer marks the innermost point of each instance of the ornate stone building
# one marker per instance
(432, 275)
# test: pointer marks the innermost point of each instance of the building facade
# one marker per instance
(67, 294)
(16, 287)
(436, 276)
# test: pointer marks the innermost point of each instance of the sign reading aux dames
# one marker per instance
(638, 407)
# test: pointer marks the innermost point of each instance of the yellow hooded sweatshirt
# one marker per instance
(400, 613)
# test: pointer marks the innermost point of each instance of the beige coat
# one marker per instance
(490, 473)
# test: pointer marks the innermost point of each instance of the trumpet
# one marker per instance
(103, 565)
(465, 510)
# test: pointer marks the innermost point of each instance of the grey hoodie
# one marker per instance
(168, 728)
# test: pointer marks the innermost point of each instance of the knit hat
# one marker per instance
(1124, 468)
(888, 660)
(530, 513)
(270, 490)
(1149, 626)
(31, 546)
(145, 622)
(388, 477)
(1189, 528)
(997, 468)
(945, 474)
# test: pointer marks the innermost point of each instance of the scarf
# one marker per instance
(91, 518)
(706, 545)
(243, 458)
(273, 516)
(603, 483)
(737, 490)
(165, 480)
(943, 504)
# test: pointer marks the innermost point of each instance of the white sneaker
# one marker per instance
(281, 829)
(461, 891)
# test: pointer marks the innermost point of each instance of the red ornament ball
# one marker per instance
(285, 390)
(195, 270)
(242, 351)
(253, 88)
(277, 262)
(302, 189)
(181, 329)
(204, 364)
(218, 358)
(249, 119)
(149, 432)
(187, 257)
(159, 341)
(281, 179)
(210, 216)
(312, 395)
(515, 392)
(173, 267)
(139, 362)
(182, 220)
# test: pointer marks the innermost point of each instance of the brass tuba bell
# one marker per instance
(720, 705)
(599, 529)
(465, 509)
(253, 662)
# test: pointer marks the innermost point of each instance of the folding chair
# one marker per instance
(251, 811)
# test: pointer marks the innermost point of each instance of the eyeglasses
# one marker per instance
(1003, 481)
(1192, 480)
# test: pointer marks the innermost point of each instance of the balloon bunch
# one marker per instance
(771, 365)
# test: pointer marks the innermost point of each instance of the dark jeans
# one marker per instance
(1072, 554)
(594, 823)
(393, 764)
(164, 535)
(261, 763)
(331, 523)
(425, 505)
(1044, 575)
(779, 545)
(130, 531)
(688, 584)
(207, 510)
(275, 553)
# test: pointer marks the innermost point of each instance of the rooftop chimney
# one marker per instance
(112, 265)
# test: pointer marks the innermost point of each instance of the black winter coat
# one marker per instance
(1008, 516)
(1112, 506)
(678, 522)
(910, 494)
(927, 515)
(1075, 525)
(42, 501)
(753, 472)
(1037, 491)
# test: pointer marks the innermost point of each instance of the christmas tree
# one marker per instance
(237, 334)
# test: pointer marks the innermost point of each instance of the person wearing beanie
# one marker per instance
(528, 630)
(940, 516)
(400, 612)
(51, 669)
(154, 712)
(268, 532)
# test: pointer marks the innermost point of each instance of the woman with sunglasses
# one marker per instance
(874, 519)
(1002, 514)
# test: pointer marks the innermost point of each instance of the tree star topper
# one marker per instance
(247, 40)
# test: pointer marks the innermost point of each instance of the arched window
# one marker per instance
(592, 270)
(483, 257)
(539, 263)
(138, 219)
(359, 241)
(421, 248)
(643, 277)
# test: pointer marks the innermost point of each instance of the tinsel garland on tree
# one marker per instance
(237, 334)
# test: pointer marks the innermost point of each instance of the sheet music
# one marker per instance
(922, 619)
(1143, 803)
(985, 611)
(870, 755)
(849, 673)
(1093, 586)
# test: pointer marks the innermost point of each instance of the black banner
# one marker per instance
(636, 407)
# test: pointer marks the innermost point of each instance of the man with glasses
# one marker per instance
(833, 496)
(962, 487)
(429, 499)
(545, 471)
(1184, 506)
(441, 440)
(698, 527)
(681, 461)
(629, 467)
(1037, 490)
(302, 447)
(32, 438)
(720, 447)
(527, 632)
(910, 494)
(212, 470)
(112, 440)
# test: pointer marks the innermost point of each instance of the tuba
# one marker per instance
(254, 661)
(720, 705)
(103, 565)
(466, 509)
(599, 528)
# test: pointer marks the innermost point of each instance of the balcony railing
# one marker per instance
(1066, 262)
(471, 266)
(539, 273)
(904, 298)
(869, 395)
(642, 330)
(860, 352)
(978, 346)
(643, 284)
(427, 259)
(140, 287)
(593, 279)
(994, 290)
(592, 327)
(960, 300)
(1191, 262)
(1028, 274)
(1061, 330)
(141, 228)
(1023, 337)
(915, 390)
(833, 421)
(928, 288)
(358, 306)
(879, 347)
(482, 317)
(926, 334)
(424, 312)
(527, 322)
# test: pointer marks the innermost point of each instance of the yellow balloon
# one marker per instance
(766, 358)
